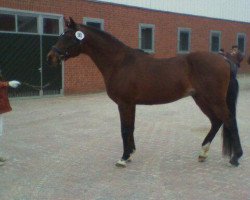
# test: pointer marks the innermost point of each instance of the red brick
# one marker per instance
(123, 23)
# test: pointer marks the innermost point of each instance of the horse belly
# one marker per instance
(160, 95)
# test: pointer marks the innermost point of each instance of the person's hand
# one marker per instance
(14, 84)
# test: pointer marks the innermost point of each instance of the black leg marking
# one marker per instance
(127, 116)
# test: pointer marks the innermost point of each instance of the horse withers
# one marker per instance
(133, 77)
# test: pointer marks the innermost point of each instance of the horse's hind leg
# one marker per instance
(127, 116)
(231, 141)
(215, 126)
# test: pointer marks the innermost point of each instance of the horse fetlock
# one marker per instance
(121, 163)
(202, 158)
(204, 152)
(206, 147)
(130, 157)
(125, 159)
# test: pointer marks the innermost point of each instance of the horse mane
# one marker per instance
(107, 36)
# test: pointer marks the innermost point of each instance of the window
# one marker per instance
(215, 41)
(50, 26)
(94, 22)
(184, 40)
(146, 37)
(241, 41)
(27, 24)
(7, 22)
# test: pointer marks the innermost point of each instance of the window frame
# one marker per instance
(213, 33)
(27, 15)
(94, 20)
(186, 30)
(151, 26)
(38, 15)
(60, 24)
(245, 41)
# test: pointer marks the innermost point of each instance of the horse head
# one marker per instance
(68, 45)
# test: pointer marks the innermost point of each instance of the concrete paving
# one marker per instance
(65, 148)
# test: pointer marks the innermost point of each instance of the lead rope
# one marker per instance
(38, 88)
(35, 87)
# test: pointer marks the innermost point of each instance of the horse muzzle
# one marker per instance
(53, 59)
(56, 56)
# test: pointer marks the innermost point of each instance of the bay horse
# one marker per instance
(133, 77)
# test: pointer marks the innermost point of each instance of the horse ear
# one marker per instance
(66, 22)
(70, 23)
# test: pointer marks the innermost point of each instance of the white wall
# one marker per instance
(236, 10)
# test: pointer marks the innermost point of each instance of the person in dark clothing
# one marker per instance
(234, 58)
(236, 55)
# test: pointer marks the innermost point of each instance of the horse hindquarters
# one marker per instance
(221, 110)
(216, 94)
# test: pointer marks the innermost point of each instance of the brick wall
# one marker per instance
(81, 75)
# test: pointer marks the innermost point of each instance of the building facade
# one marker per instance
(160, 33)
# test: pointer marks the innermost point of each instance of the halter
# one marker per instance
(64, 54)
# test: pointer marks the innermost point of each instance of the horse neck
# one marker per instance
(106, 51)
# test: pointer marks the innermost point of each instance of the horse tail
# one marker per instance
(230, 130)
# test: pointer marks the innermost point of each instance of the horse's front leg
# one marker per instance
(127, 117)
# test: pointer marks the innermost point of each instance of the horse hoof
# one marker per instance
(121, 163)
(234, 162)
(202, 158)
(2, 159)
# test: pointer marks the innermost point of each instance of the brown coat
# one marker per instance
(4, 100)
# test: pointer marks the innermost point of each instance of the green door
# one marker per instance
(23, 58)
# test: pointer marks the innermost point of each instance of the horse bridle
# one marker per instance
(64, 54)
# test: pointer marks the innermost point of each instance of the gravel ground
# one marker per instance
(65, 148)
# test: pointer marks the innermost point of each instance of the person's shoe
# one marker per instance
(2, 159)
